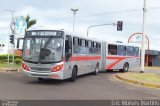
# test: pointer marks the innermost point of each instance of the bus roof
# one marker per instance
(126, 44)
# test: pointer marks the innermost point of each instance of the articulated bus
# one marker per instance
(57, 54)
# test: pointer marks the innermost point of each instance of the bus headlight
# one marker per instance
(57, 68)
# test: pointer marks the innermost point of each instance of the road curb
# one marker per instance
(137, 82)
(10, 70)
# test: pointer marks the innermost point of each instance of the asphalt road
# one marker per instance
(88, 87)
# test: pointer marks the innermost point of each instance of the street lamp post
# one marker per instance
(12, 20)
(97, 25)
(143, 38)
(74, 14)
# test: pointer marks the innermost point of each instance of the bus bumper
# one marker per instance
(51, 75)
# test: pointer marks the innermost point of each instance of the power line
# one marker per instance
(120, 12)
(110, 13)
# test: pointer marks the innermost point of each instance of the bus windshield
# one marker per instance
(43, 49)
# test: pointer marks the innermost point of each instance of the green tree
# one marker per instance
(30, 22)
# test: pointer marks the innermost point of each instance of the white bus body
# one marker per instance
(55, 54)
(76, 55)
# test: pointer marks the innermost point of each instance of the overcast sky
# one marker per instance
(56, 14)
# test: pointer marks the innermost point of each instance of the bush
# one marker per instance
(18, 61)
(4, 58)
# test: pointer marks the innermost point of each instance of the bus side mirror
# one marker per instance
(20, 43)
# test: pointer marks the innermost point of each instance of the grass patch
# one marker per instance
(153, 68)
(9, 66)
(145, 77)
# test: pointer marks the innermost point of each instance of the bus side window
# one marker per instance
(89, 44)
(99, 48)
(112, 49)
(86, 45)
(136, 51)
(130, 51)
(83, 42)
(121, 50)
(89, 47)
(82, 46)
(95, 48)
(75, 41)
(75, 45)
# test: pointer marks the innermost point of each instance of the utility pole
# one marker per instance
(74, 16)
(143, 38)
(12, 24)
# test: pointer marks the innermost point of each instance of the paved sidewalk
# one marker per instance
(9, 69)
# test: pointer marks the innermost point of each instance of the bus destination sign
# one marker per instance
(44, 33)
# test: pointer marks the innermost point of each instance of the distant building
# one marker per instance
(153, 57)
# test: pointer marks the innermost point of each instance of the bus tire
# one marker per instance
(96, 70)
(125, 67)
(74, 75)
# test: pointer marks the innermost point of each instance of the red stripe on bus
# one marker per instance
(118, 59)
(82, 58)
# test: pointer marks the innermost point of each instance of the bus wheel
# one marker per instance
(125, 67)
(96, 70)
(74, 75)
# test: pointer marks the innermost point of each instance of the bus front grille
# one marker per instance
(40, 70)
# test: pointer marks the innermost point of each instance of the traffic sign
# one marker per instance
(20, 25)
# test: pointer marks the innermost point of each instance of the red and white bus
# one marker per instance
(121, 56)
(56, 54)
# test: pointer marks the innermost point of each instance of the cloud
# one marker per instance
(56, 14)
(4, 25)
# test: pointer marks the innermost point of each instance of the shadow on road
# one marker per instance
(59, 82)
(47, 81)
(111, 72)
